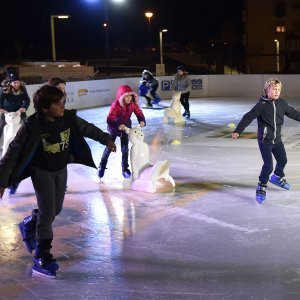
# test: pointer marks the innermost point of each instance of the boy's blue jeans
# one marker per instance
(267, 150)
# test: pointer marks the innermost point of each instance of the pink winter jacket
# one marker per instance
(120, 113)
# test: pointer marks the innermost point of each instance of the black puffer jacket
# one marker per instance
(13, 101)
(148, 78)
(15, 164)
(270, 118)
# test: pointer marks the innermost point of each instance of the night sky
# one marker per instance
(26, 24)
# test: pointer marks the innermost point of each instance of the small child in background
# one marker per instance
(118, 119)
(148, 87)
(58, 83)
(183, 84)
(269, 112)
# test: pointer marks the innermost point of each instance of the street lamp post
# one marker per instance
(160, 68)
(161, 44)
(52, 17)
(149, 15)
(277, 56)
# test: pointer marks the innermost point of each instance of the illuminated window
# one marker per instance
(280, 28)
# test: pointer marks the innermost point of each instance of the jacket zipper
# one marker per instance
(275, 128)
(265, 133)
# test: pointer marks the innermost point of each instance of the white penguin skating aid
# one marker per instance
(13, 124)
(173, 113)
(146, 177)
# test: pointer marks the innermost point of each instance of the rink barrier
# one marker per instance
(95, 93)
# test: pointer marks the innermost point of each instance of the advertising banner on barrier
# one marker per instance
(85, 94)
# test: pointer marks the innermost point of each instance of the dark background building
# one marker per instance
(223, 37)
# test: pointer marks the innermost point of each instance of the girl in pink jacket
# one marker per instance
(118, 119)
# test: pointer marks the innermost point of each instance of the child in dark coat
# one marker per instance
(49, 140)
(269, 112)
(148, 87)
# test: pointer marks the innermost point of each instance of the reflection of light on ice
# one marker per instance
(155, 147)
(176, 142)
(175, 133)
(8, 234)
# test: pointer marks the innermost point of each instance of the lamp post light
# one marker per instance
(149, 15)
(52, 17)
(106, 28)
(277, 56)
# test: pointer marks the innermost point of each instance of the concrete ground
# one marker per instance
(207, 239)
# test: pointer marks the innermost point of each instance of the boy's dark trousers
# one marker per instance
(124, 149)
(50, 190)
(184, 100)
(279, 153)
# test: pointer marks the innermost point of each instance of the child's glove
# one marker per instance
(122, 127)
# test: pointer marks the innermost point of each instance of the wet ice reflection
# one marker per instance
(207, 239)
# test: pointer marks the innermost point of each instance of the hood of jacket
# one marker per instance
(125, 90)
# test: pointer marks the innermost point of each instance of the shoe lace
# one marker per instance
(261, 190)
(282, 181)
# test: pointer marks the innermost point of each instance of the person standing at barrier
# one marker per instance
(13, 97)
(183, 84)
(118, 119)
(49, 140)
(269, 112)
(58, 82)
(149, 85)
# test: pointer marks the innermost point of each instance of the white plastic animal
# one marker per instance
(173, 112)
(13, 123)
(146, 176)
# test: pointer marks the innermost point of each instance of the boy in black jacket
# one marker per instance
(49, 140)
(269, 112)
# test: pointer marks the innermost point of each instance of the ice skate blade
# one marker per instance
(37, 273)
(260, 200)
(285, 186)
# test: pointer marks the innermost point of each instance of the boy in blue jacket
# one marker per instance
(269, 112)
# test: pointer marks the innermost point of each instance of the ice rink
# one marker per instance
(208, 239)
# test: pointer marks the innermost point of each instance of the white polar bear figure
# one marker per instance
(146, 177)
(13, 124)
(174, 111)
